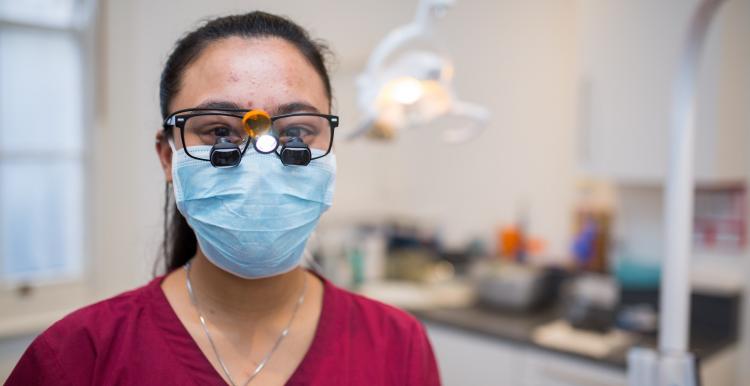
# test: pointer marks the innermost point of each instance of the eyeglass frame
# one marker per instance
(178, 119)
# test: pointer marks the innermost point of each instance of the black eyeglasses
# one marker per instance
(208, 127)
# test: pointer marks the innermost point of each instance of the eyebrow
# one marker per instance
(214, 104)
(287, 108)
(295, 107)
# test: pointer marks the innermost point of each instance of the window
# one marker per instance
(44, 54)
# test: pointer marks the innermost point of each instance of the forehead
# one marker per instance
(255, 73)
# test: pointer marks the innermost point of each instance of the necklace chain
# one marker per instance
(276, 344)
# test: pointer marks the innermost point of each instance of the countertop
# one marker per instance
(453, 305)
(519, 327)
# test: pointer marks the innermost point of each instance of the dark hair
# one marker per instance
(179, 240)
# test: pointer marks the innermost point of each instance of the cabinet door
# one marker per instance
(629, 53)
(548, 369)
(467, 359)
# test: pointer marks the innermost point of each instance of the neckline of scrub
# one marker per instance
(184, 347)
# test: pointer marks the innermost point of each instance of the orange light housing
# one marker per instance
(256, 122)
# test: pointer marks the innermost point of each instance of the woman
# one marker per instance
(246, 147)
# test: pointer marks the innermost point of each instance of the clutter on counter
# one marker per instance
(595, 309)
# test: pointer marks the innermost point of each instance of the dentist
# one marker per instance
(246, 151)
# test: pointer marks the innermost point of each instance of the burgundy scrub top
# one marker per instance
(136, 338)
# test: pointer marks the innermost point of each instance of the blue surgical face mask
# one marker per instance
(252, 220)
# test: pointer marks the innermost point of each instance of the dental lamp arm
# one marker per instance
(675, 293)
(673, 364)
(420, 26)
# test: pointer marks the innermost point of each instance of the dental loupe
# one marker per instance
(225, 154)
(408, 83)
(295, 152)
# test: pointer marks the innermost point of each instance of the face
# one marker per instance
(260, 73)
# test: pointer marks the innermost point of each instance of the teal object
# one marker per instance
(638, 273)
(357, 260)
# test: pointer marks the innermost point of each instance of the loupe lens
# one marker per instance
(225, 158)
(225, 154)
(300, 157)
(295, 152)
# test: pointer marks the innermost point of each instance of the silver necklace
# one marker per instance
(276, 344)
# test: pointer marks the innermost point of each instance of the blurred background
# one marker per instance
(530, 248)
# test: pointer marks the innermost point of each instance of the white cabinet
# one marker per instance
(466, 359)
(548, 369)
(469, 360)
(628, 54)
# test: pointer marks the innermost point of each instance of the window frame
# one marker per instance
(34, 305)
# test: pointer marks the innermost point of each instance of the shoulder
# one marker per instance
(104, 318)
(393, 342)
(66, 351)
(373, 315)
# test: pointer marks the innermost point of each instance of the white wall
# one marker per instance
(516, 58)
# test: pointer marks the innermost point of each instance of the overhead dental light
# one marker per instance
(408, 83)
